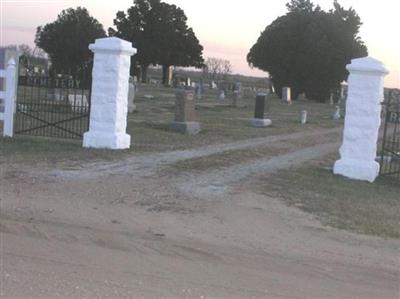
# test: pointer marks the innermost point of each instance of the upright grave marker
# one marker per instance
(259, 121)
(185, 117)
(303, 117)
(109, 102)
(131, 96)
(362, 121)
(286, 95)
(237, 94)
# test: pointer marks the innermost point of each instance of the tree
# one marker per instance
(67, 39)
(216, 68)
(301, 5)
(309, 48)
(161, 35)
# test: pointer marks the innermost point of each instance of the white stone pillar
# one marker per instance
(109, 101)
(362, 121)
(9, 100)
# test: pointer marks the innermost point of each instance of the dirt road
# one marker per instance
(131, 230)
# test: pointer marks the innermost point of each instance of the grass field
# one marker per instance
(361, 207)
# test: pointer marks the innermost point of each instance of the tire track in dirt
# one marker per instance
(217, 182)
(145, 165)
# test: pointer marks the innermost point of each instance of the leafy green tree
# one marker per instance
(161, 35)
(308, 48)
(67, 39)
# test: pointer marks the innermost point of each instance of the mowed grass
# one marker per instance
(149, 127)
(220, 121)
(361, 207)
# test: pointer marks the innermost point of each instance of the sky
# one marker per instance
(226, 28)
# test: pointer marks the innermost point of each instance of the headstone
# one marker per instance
(221, 95)
(343, 97)
(175, 82)
(135, 83)
(303, 117)
(185, 117)
(109, 98)
(170, 73)
(58, 95)
(336, 115)
(188, 82)
(201, 85)
(213, 85)
(235, 98)
(131, 96)
(301, 96)
(331, 99)
(362, 120)
(272, 87)
(259, 121)
(199, 91)
(237, 94)
(78, 102)
(343, 90)
(286, 95)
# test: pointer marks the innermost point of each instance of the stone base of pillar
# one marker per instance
(357, 169)
(190, 128)
(260, 123)
(106, 141)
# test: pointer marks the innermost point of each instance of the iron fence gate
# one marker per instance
(53, 106)
(390, 159)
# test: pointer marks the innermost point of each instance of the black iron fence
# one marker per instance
(53, 106)
(390, 156)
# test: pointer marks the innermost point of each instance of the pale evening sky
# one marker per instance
(226, 28)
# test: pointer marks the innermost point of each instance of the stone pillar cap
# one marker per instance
(367, 65)
(112, 44)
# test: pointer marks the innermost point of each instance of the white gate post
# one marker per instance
(9, 101)
(109, 100)
(362, 121)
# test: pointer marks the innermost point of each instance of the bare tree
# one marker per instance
(216, 68)
(25, 50)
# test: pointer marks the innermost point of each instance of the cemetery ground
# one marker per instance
(233, 212)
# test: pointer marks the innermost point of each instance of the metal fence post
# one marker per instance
(9, 101)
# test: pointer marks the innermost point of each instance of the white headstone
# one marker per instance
(109, 101)
(362, 121)
(336, 115)
(303, 117)
(78, 102)
(286, 94)
(221, 95)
